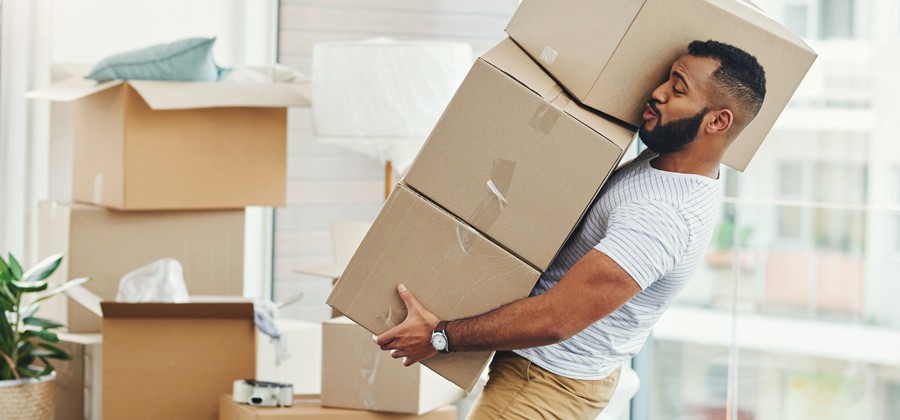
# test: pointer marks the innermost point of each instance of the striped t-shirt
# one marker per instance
(656, 225)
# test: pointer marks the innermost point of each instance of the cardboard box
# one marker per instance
(453, 270)
(304, 368)
(358, 374)
(78, 384)
(611, 54)
(309, 407)
(516, 158)
(105, 245)
(173, 360)
(153, 145)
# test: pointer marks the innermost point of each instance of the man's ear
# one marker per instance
(721, 121)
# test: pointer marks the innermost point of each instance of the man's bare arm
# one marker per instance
(592, 289)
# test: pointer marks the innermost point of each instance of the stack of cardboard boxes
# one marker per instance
(161, 170)
(522, 150)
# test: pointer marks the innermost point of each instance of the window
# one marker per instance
(836, 19)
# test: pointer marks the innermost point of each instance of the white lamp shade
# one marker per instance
(382, 97)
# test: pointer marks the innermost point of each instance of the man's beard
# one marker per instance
(672, 136)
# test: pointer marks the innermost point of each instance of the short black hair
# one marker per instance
(739, 76)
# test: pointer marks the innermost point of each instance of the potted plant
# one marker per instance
(27, 341)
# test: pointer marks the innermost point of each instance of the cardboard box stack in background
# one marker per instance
(310, 407)
(165, 170)
(611, 54)
(358, 375)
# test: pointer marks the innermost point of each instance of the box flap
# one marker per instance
(510, 59)
(71, 89)
(161, 95)
(178, 310)
(85, 298)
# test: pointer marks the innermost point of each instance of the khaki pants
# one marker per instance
(519, 389)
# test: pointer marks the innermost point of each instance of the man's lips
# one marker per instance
(649, 112)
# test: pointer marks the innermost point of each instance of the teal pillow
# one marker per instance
(185, 60)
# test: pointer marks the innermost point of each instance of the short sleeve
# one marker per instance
(646, 238)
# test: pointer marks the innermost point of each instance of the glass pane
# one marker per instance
(836, 18)
(795, 18)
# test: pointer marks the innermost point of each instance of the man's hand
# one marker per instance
(411, 339)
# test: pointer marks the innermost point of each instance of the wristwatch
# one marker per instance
(439, 339)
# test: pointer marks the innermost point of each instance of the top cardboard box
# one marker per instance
(611, 54)
(517, 158)
(153, 145)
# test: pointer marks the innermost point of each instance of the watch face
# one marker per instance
(439, 342)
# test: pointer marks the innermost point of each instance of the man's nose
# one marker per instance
(659, 94)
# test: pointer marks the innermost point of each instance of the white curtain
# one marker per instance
(24, 138)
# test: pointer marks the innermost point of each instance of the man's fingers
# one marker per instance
(397, 354)
(384, 339)
(408, 299)
(408, 362)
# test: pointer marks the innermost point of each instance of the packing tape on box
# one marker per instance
(369, 376)
(492, 204)
(98, 188)
(545, 118)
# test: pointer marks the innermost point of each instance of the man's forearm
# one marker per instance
(525, 323)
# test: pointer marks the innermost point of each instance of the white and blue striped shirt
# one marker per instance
(656, 225)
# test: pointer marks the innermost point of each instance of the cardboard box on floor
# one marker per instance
(357, 374)
(515, 157)
(304, 367)
(453, 270)
(77, 387)
(172, 360)
(105, 245)
(154, 145)
(610, 54)
(309, 407)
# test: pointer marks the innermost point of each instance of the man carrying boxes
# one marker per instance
(639, 244)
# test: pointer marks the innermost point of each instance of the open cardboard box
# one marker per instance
(174, 357)
(105, 245)
(155, 145)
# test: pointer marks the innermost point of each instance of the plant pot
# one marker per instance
(27, 399)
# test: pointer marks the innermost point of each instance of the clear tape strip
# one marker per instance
(497, 193)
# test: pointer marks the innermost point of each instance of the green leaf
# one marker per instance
(62, 288)
(48, 367)
(5, 277)
(58, 353)
(15, 268)
(26, 360)
(26, 373)
(43, 335)
(6, 333)
(4, 268)
(29, 312)
(32, 286)
(43, 269)
(41, 322)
